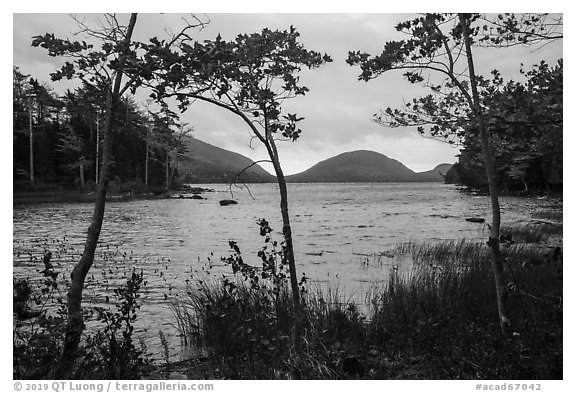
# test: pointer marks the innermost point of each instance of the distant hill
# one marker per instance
(365, 166)
(206, 163)
(436, 174)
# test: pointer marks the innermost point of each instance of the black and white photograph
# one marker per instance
(257, 195)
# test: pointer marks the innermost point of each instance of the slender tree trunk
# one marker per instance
(146, 162)
(286, 228)
(75, 324)
(43, 139)
(97, 146)
(82, 175)
(31, 146)
(494, 239)
(525, 184)
(173, 172)
(90, 126)
(167, 171)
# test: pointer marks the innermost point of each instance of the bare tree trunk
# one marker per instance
(167, 171)
(31, 147)
(173, 172)
(494, 239)
(525, 184)
(82, 175)
(286, 228)
(146, 162)
(75, 324)
(42, 151)
(97, 146)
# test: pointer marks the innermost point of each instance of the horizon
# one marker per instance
(338, 109)
(336, 155)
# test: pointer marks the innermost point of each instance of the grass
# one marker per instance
(436, 321)
(446, 252)
(252, 330)
(556, 216)
(448, 317)
(539, 233)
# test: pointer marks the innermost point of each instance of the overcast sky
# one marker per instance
(338, 109)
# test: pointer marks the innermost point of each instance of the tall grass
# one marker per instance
(446, 253)
(232, 317)
(446, 309)
(535, 233)
(552, 215)
(252, 328)
(437, 320)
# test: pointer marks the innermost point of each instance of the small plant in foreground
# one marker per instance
(166, 349)
(111, 352)
(40, 317)
(249, 314)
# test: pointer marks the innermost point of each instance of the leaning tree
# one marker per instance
(250, 77)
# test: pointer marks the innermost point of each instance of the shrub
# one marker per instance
(110, 353)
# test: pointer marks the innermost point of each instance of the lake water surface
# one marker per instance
(338, 230)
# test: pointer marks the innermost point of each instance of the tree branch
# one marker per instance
(237, 177)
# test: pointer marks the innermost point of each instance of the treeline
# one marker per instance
(525, 124)
(57, 140)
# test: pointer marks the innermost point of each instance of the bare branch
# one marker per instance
(237, 177)
(183, 35)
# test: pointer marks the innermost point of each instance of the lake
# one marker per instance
(340, 233)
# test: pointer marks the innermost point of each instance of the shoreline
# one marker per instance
(46, 197)
(21, 198)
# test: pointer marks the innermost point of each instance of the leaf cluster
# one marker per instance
(420, 50)
(273, 274)
(251, 75)
(511, 29)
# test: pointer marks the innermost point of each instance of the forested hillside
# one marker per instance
(58, 144)
(525, 122)
(57, 139)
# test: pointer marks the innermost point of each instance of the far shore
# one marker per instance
(48, 194)
(76, 196)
